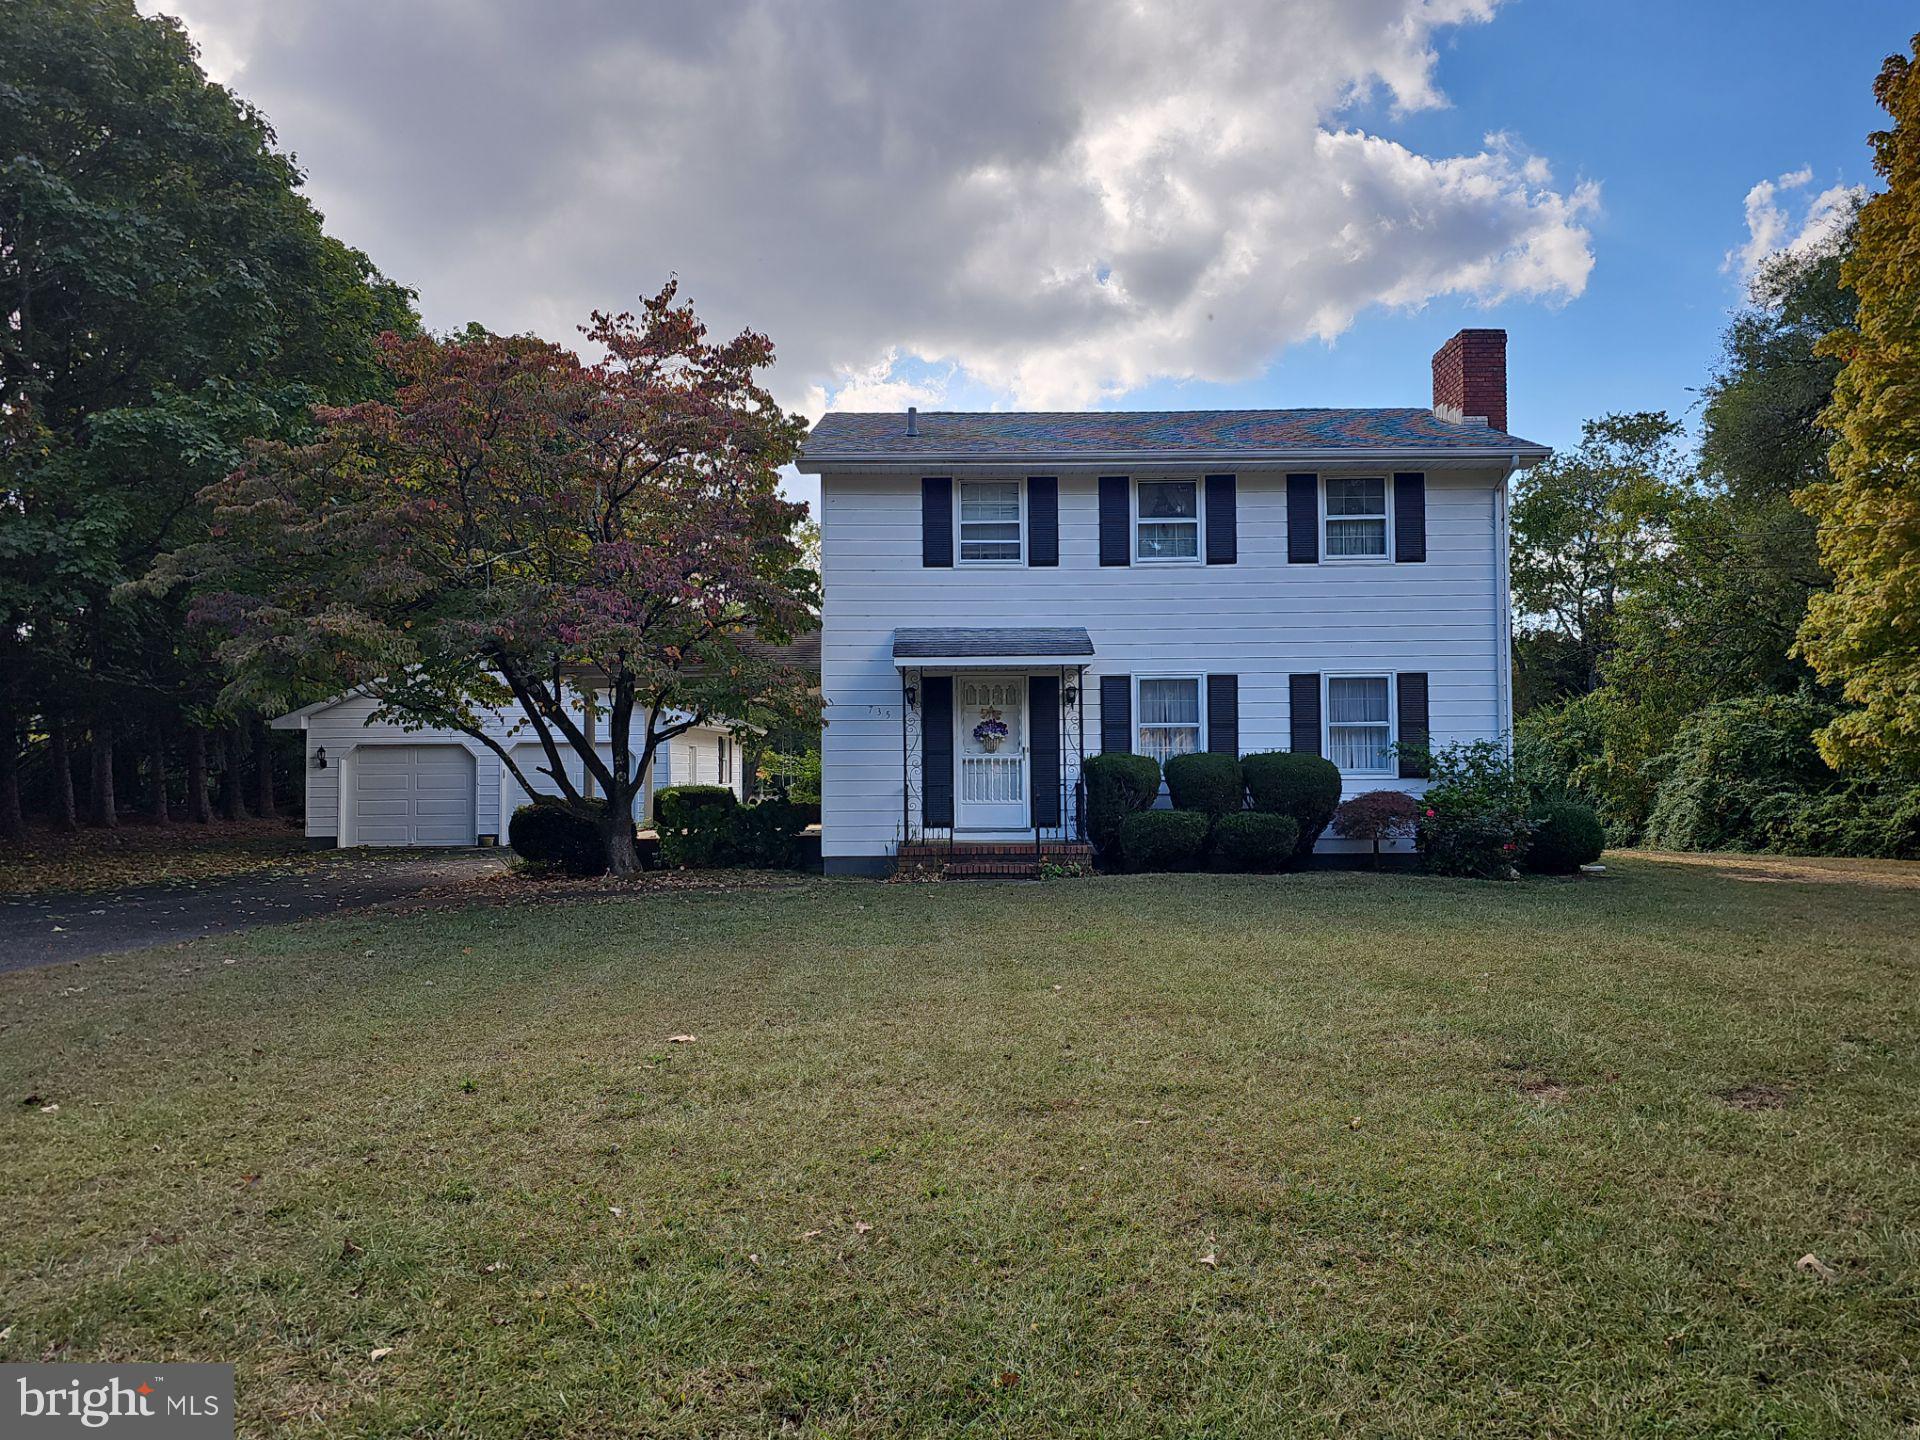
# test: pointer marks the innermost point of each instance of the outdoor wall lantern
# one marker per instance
(320, 758)
(1071, 695)
(913, 696)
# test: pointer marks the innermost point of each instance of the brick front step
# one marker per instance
(970, 859)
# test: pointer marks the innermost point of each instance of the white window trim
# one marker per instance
(1392, 770)
(1199, 556)
(1327, 557)
(1200, 695)
(1020, 489)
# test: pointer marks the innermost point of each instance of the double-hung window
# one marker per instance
(1356, 519)
(724, 766)
(1167, 520)
(990, 528)
(1168, 717)
(1360, 724)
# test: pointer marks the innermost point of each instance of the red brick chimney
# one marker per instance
(1470, 378)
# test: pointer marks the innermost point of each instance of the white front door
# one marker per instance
(990, 713)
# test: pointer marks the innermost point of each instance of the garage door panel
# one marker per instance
(414, 795)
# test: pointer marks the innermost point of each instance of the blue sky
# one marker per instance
(1061, 203)
(1677, 108)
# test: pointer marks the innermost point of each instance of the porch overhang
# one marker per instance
(1031, 647)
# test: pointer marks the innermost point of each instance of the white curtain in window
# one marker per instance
(1169, 718)
(1356, 517)
(1359, 729)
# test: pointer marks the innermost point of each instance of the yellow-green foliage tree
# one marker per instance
(1864, 633)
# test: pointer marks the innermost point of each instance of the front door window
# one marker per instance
(990, 713)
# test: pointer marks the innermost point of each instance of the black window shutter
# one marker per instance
(1223, 539)
(1114, 520)
(1043, 748)
(936, 522)
(1414, 731)
(1223, 714)
(1043, 520)
(1303, 519)
(936, 750)
(1116, 713)
(1303, 706)
(1409, 517)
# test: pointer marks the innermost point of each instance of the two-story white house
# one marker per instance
(1006, 593)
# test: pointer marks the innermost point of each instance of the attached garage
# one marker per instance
(415, 795)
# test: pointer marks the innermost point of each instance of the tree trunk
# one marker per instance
(616, 833)
(233, 800)
(199, 811)
(13, 825)
(263, 772)
(158, 777)
(60, 762)
(100, 806)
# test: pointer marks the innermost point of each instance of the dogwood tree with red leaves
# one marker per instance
(600, 545)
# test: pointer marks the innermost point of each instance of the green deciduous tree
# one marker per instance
(1588, 527)
(1864, 633)
(170, 294)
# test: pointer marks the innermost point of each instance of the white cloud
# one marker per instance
(1051, 201)
(1771, 230)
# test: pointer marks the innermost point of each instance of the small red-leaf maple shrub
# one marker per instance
(1377, 815)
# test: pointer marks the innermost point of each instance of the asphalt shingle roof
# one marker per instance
(987, 643)
(856, 435)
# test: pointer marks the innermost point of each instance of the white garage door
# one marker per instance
(413, 795)
(532, 760)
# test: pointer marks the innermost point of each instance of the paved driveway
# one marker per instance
(46, 929)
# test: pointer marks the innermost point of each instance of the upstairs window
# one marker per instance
(1360, 724)
(990, 522)
(1167, 526)
(1356, 519)
(1169, 718)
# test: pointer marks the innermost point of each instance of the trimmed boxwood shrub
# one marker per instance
(547, 834)
(681, 807)
(1117, 784)
(1205, 782)
(711, 835)
(1254, 842)
(1163, 839)
(1566, 835)
(1306, 787)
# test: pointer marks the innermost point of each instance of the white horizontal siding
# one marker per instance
(343, 727)
(1260, 619)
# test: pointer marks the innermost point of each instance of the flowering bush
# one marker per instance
(1473, 819)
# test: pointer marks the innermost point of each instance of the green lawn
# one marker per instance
(1471, 1159)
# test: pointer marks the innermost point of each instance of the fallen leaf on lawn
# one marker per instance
(615, 1211)
(681, 1039)
(861, 1227)
(753, 1259)
(496, 1267)
(812, 1234)
(1210, 1260)
(1008, 1379)
(381, 1353)
(249, 1181)
(1354, 1123)
(50, 1109)
(1811, 1264)
(1143, 1122)
(6, 1332)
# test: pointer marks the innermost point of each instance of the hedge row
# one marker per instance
(1259, 813)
